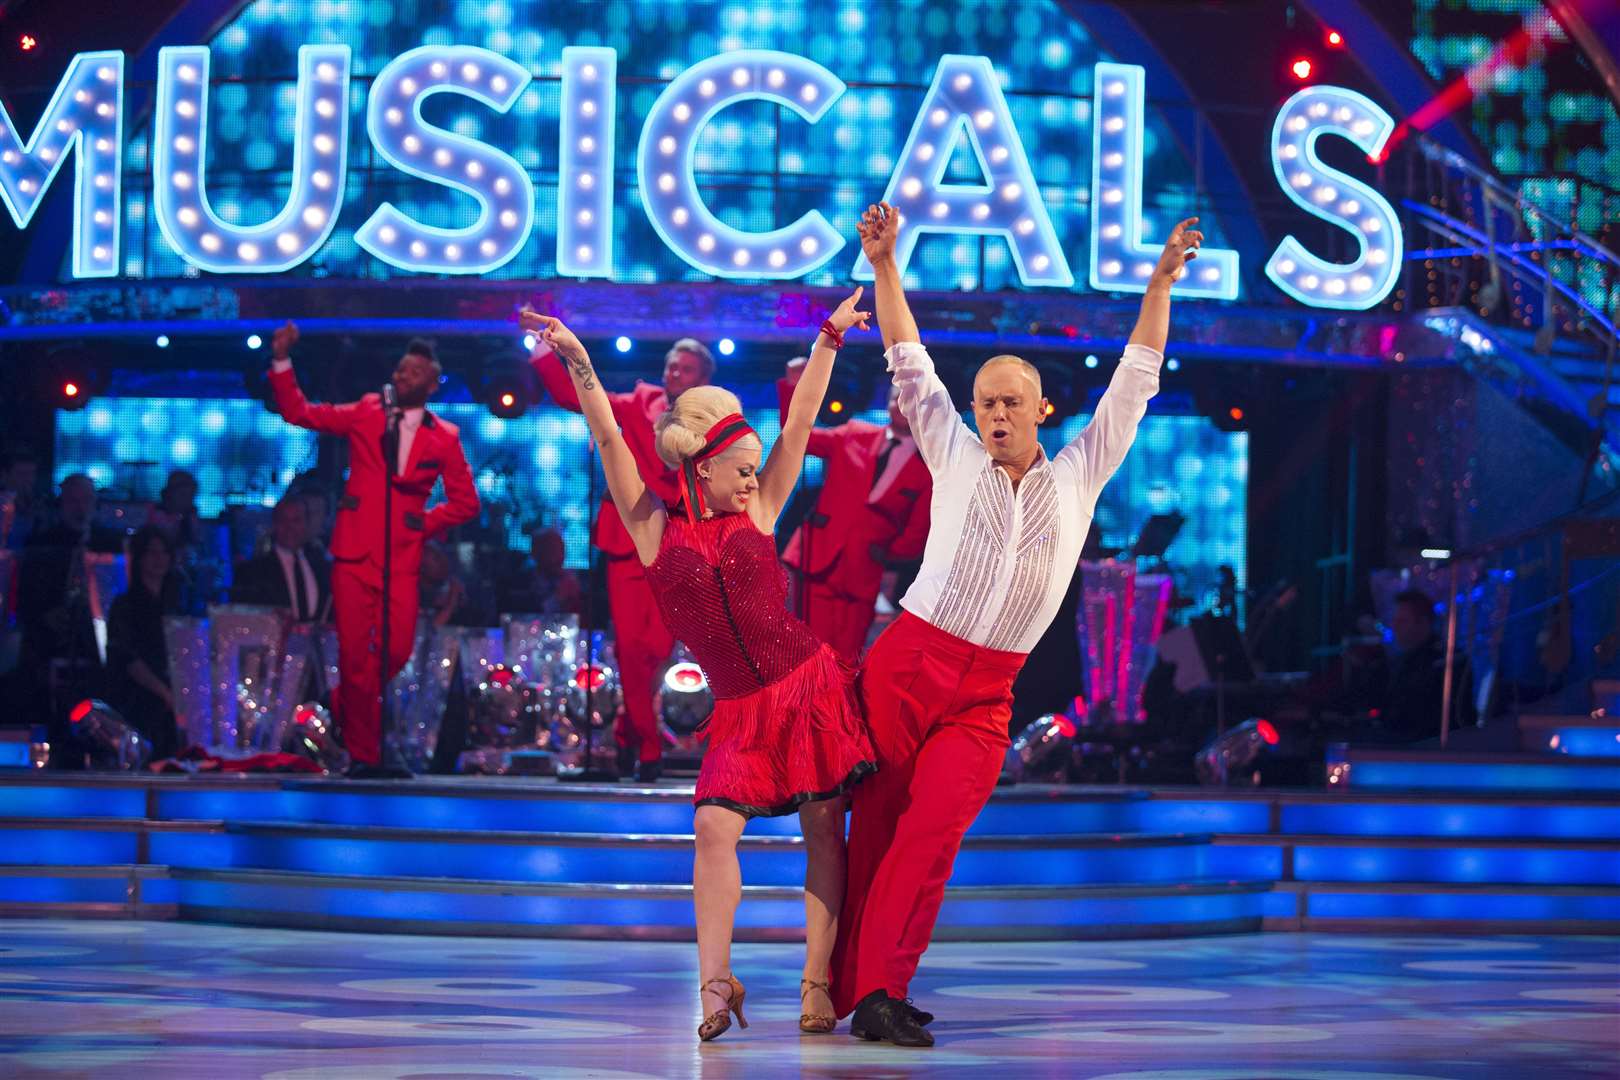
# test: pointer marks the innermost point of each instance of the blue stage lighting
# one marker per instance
(1092, 361)
(163, 341)
(529, 342)
(1173, 364)
(623, 344)
(727, 346)
(254, 341)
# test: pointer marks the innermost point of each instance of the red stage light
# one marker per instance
(70, 389)
(1335, 39)
(28, 42)
(1065, 726)
(1235, 413)
(81, 710)
(1301, 68)
(1267, 732)
(590, 678)
(508, 400)
(501, 675)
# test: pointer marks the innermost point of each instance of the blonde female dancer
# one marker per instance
(785, 734)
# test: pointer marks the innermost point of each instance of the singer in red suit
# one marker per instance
(872, 510)
(427, 449)
(641, 640)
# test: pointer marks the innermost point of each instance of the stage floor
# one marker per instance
(123, 999)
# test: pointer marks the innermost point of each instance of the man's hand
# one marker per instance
(845, 315)
(1179, 250)
(879, 228)
(282, 341)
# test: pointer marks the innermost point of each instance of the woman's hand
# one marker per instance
(552, 332)
(845, 315)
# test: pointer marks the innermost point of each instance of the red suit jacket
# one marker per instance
(849, 517)
(635, 412)
(435, 452)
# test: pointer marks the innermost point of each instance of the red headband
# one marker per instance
(719, 438)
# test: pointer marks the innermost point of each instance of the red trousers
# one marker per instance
(643, 645)
(357, 607)
(938, 709)
(841, 620)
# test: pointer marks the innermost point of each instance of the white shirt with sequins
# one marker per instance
(998, 561)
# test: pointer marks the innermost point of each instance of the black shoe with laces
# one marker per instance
(923, 1018)
(881, 1018)
(648, 772)
(625, 761)
(361, 770)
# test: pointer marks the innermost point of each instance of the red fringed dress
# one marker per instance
(786, 728)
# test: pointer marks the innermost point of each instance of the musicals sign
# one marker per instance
(964, 104)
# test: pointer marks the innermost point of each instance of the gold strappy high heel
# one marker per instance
(718, 1022)
(813, 1023)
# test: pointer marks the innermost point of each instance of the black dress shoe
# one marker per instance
(625, 761)
(881, 1018)
(361, 770)
(923, 1018)
(648, 772)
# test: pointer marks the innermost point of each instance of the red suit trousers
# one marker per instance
(642, 644)
(357, 609)
(841, 620)
(938, 709)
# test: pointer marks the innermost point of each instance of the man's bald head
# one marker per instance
(1017, 362)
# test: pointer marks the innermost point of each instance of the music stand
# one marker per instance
(1158, 533)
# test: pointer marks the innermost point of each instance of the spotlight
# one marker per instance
(1233, 751)
(529, 341)
(311, 735)
(506, 397)
(684, 701)
(835, 406)
(1173, 364)
(1301, 68)
(1335, 39)
(1092, 361)
(28, 43)
(163, 341)
(1042, 750)
(107, 740)
(69, 378)
(254, 341)
(1235, 413)
(727, 346)
(623, 344)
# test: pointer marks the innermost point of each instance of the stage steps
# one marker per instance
(462, 856)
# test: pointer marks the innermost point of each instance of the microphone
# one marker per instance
(390, 402)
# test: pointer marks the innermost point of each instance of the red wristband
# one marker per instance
(832, 331)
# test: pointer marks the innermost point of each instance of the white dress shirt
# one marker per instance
(295, 562)
(998, 561)
(410, 422)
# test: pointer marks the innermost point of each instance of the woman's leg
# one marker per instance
(823, 826)
(716, 890)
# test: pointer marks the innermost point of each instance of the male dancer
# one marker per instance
(640, 638)
(846, 542)
(1008, 524)
(411, 450)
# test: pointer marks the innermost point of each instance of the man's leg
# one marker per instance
(357, 607)
(895, 718)
(642, 644)
(955, 773)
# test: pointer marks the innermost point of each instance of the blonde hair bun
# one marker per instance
(680, 432)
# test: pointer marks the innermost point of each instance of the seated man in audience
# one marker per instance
(294, 574)
(1410, 690)
(543, 586)
(19, 478)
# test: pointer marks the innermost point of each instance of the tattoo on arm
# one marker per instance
(581, 364)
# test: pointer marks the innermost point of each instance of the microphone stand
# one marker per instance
(588, 772)
(388, 767)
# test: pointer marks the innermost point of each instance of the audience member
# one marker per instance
(19, 511)
(294, 574)
(137, 652)
(542, 586)
(1410, 688)
(176, 510)
(446, 599)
